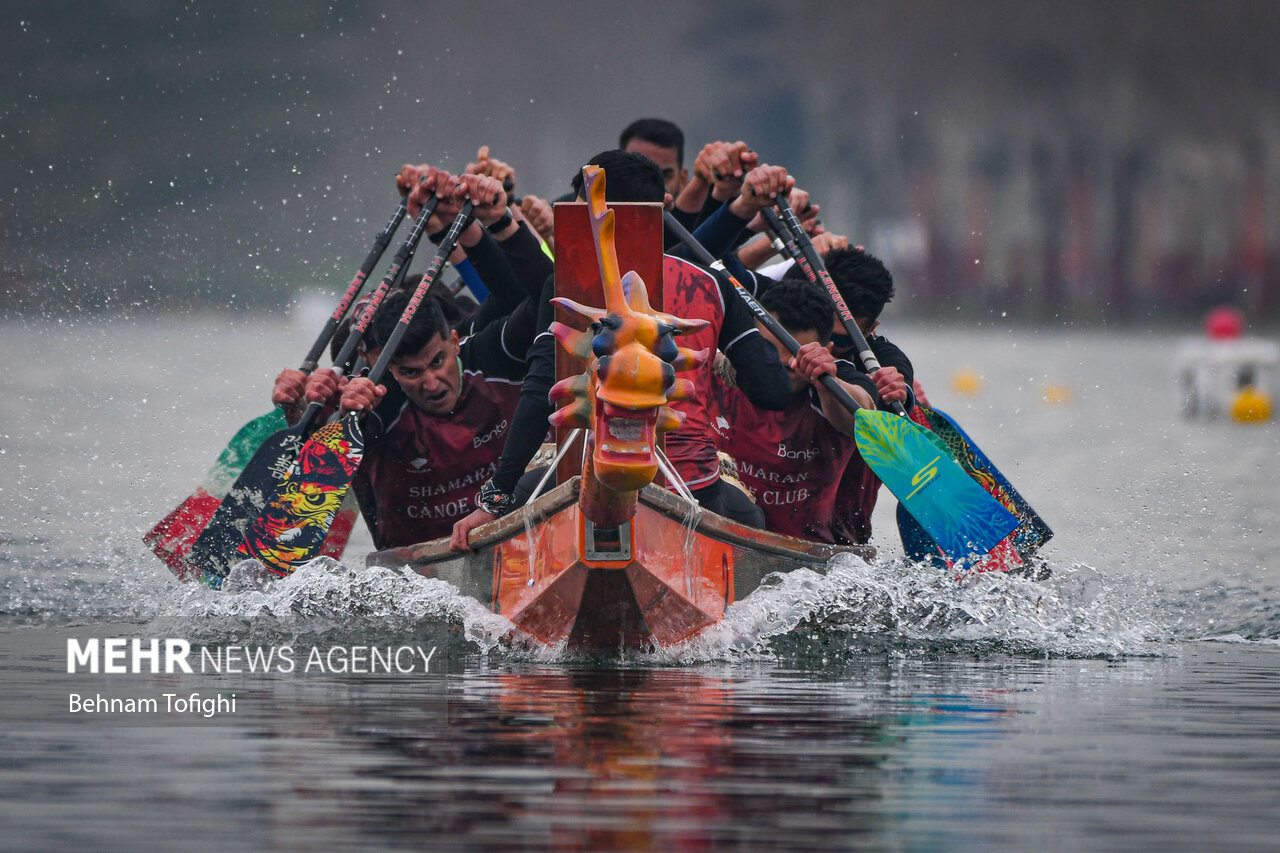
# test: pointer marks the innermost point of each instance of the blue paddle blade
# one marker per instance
(916, 466)
(1032, 529)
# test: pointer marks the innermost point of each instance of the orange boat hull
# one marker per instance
(654, 582)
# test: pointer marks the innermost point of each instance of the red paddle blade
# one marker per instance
(172, 537)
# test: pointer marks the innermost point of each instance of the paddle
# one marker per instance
(1032, 532)
(214, 551)
(800, 247)
(961, 517)
(172, 537)
(292, 526)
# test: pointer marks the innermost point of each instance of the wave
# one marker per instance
(852, 610)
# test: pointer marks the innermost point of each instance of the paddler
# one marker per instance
(791, 461)
(632, 177)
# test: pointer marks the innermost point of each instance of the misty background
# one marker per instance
(1057, 162)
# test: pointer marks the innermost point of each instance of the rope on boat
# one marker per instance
(678, 484)
(555, 461)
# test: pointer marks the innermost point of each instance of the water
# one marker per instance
(1127, 703)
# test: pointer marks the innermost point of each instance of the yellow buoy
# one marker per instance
(966, 382)
(1056, 395)
(1251, 406)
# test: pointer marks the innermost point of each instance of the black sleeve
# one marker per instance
(485, 351)
(529, 423)
(847, 371)
(531, 264)
(385, 411)
(890, 355)
(760, 374)
(495, 270)
(531, 317)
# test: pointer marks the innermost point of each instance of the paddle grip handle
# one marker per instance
(393, 278)
(380, 243)
(447, 244)
(766, 319)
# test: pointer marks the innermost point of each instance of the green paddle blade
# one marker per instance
(172, 537)
(292, 527)
(917, 467)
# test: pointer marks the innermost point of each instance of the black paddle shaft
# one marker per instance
(770, 322)
(801, 248)
(393, 278)
(380, 243)
(447, 245)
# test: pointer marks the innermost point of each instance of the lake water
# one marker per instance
(1129, 702)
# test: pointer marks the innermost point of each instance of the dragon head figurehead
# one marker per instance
(632, 361)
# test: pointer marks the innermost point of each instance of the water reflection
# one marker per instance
(617, 759)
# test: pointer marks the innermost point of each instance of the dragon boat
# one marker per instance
(608, 555)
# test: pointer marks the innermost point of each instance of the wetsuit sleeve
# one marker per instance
(890, 355)
(495, 270)
(847, 371)
(531, 264)
(529, 423)
(761, 376)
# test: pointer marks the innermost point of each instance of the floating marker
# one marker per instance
(1251, 406)
(966, 382)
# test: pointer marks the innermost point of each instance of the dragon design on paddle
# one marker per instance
(295, 522)
(632, 361)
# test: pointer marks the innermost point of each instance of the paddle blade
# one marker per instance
(915, 465)
(293, 525)
(215, 548)
(1032, 531)
(172, 537)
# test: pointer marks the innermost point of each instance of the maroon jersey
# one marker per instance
(421, 472)
(791, 461)
(855, 501)
(693, 294)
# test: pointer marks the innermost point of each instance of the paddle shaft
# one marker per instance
(279, 522)
(393, 278)
(447, 245)
(768, 320)
(801, 248)
(380, 243)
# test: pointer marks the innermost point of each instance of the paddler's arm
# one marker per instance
(815, 361)
(528, 429)
(761, 376)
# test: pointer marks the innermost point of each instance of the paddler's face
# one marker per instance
(807, 336)
(668, 160)
(431, 377)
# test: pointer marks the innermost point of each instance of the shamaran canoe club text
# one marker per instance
(133, 656)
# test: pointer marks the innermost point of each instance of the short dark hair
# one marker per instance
(455, 310)
(800, 306)
(862, 279)
(658, 131)
(427, 322)
(628, 177)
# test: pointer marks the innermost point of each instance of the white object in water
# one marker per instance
(1212, 372)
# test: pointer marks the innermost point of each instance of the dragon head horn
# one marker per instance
(615, 299)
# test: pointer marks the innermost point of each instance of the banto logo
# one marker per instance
(490, 436)
(807, 453)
